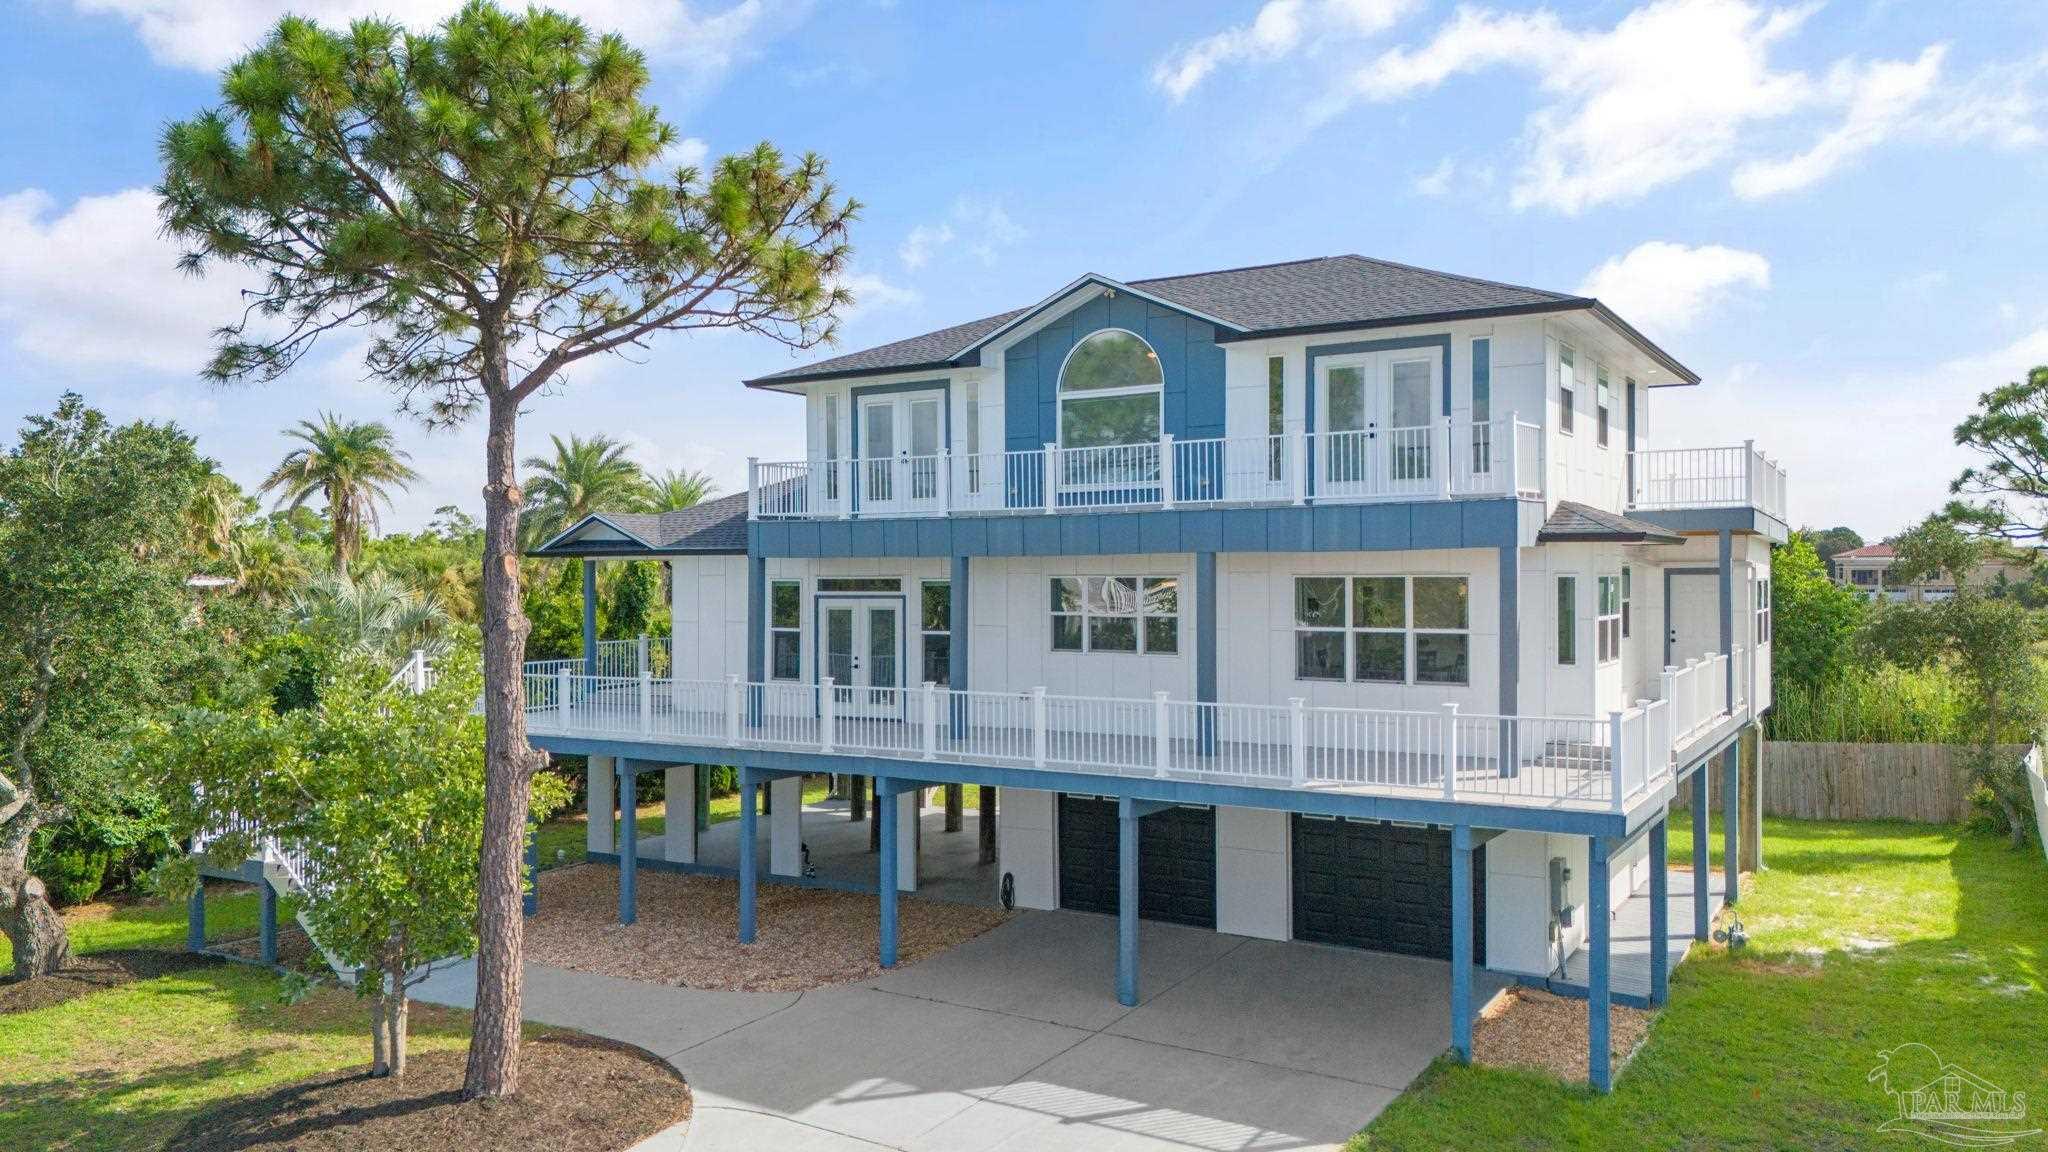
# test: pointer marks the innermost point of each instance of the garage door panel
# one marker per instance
(1176, 861)
(1380, 886)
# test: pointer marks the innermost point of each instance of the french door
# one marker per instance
(902, 439)
(1377, 427)
(864, 655)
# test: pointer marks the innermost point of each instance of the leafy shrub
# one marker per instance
(72, 872)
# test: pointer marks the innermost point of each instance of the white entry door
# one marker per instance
(864, 655)
(1693, 627)
(1377, 437)
(901, 446)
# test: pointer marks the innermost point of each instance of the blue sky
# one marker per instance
(1832, 211)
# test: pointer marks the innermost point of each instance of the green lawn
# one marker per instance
(128, 1067)
(1862, 937)
(232, 912)
(562, 839)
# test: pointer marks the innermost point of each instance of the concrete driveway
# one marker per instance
(1015, 1040)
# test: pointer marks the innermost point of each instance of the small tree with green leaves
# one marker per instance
(1814, 619)
(379, 791)
(93, 617)
(484, 200)
(1989, 641)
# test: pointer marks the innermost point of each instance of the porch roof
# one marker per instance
(1576, 523)
(715, 527)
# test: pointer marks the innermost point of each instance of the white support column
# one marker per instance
(1442, 466)
(1297, 467)
(1166, 469)
(732, 708)
(1451, 751)
(908, 818)
(598, 836)
(1038, 734)
(679, 827)
(786, 826)
(1052, 477)
(828, 713)
(640, 656)
(1162, 734)
(1297, 737)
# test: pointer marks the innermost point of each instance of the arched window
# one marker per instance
(1110, 391)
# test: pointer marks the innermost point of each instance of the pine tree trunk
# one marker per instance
(493, 1068)
(36, 932)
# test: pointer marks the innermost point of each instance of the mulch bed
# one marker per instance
(1530, 1028)
(84, 975)
(294, 949)
(686, 934)
(574, 1092)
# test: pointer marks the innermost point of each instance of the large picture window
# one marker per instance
(1383, 629)
(1116, 614)
(1109, 392)
(785, 630)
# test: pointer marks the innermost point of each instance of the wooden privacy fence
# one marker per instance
(1923, 782)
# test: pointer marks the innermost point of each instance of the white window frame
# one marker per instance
(1060, 394)
(924, 634)
(1761, 625)
(1606, 624)
(1140, 618)
(775, 629)
(1627, 600)
(1602, 397)
(1352, 628)
(1567, 388)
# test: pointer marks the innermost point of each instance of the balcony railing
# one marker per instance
(1447, 754)
(1442, 460)
(1736, 477)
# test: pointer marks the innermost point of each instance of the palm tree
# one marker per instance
(213, 517)
(354, 465)
(376, 615)
(680, 488)
(270, 567)
(584, 476)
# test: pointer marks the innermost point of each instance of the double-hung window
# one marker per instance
(1607, 623)
(1567, 384)
(1116, 614)
(1761, 590)
(1383, 629)
(1600, 402)
(935, 628)
(785, 630)
(1567, 619)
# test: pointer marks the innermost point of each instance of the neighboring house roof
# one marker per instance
(1867, 552)
(1575, 523)
(1323, 294)
(714, 527)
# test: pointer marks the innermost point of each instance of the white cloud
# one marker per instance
(1280, 28)
(980, 227)
(209, 34)
(1437, 181)
(872, 292)
(1880, 98)
(96, 285)
(682, 152)
(1667, 288)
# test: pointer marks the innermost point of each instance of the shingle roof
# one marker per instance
(1868, 551)
(715, 526)
(1575, 523)
(1326, 293)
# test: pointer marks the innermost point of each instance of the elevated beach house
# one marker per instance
(1332, 600)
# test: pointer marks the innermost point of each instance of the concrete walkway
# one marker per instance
(1015, 1041)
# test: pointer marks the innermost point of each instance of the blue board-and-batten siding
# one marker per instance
(1190, 360)
(1321, 528)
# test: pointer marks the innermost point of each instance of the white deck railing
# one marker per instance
(643, 653)
(1443, 460)
(1736, 477)
(1576, 762)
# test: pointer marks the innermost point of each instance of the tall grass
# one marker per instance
(1885, 705)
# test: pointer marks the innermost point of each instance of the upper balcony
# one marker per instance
(1447, 460)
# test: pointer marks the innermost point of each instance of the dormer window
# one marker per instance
(1110, 391)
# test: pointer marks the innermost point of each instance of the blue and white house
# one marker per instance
(1334, 600)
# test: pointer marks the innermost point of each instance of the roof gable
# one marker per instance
(714, 526)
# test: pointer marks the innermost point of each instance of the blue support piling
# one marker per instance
(1599, 1071)
(629, 840)
(1127, 818)
(1731, 819)
(195, 919)
(1660, 909)
(266, 928)
(1461, 942)
(749, 822)
(885, 813)
(590, 617)
(1702, 913)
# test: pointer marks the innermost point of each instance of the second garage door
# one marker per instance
(1381, 886)
(1176, 861)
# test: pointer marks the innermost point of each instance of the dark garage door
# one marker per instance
(1176, 861)
(1381, 886)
